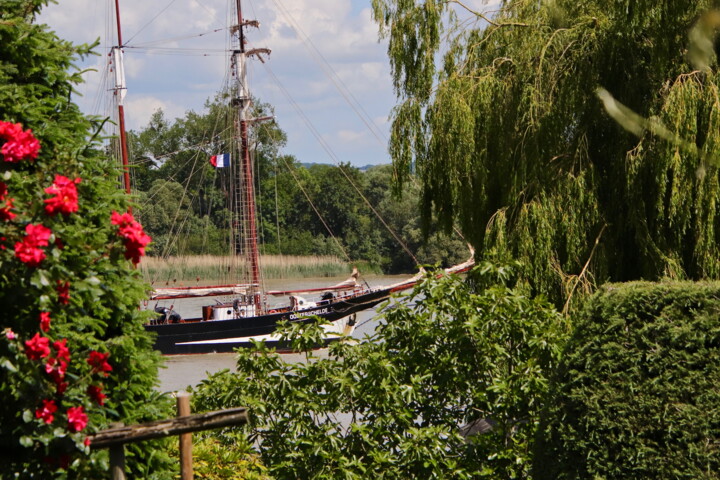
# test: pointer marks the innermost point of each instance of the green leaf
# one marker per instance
(39, 279)
(7, 364)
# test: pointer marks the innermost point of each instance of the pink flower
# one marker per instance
(63, 290)
(46, 411)
(45, 321)
(95, 392)
(9, 334)
(134, 238)
(19, 145)
(65, 198)
(98, 362)
(37, 347)
(29, 251)
(77, 418)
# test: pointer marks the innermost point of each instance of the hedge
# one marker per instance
(637, 394)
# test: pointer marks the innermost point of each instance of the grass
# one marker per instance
(209, 269)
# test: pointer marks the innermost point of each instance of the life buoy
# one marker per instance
(272, 311)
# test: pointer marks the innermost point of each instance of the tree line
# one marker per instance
(315, 209)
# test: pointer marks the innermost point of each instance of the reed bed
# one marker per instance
(209, 269)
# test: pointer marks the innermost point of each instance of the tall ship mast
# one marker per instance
(240, 313)
(119, 91)
(245, 215)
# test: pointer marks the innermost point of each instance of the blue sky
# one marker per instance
(175, 60)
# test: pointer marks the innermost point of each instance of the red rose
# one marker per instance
(5, 213)
(19, 145)
(77, 418)
(56, 369)
(29, 251)
(37, 347)
(98, 362)
(134, 238)
(61, 387)
(65, 198)
(63, 353)
(45, 321)
(46, 411)
(95, 392)
(63, 290)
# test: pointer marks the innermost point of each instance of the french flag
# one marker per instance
(220, 161)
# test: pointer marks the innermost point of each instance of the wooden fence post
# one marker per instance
(183, 410)
(117, 457)
(117, 462)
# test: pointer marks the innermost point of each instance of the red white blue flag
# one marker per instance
(220, 161)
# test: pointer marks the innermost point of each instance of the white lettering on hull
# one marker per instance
(309, 313)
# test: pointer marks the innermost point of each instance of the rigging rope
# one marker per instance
(332, 155)
(344, 91)
(149, 22)
(177, 51)
(152, 43)
(327, 227)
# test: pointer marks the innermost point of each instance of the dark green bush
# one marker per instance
(637, 394)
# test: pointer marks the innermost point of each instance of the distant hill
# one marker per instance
(363, 168)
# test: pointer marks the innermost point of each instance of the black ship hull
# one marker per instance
(216, 336)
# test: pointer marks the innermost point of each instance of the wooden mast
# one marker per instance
(120, 90)
(245, 175)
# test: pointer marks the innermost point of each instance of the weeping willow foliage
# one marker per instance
(500, 118)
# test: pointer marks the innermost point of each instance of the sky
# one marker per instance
(328, 75)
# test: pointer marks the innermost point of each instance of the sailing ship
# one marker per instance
(246, 315)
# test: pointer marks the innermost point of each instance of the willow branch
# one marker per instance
(486, 18)
(584, 270)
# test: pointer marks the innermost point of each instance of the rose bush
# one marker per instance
(74, 356)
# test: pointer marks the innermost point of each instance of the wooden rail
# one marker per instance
(117, 436)
(165, 428)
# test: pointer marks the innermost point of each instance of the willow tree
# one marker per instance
(501, 118)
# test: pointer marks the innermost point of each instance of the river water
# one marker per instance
(181, 371)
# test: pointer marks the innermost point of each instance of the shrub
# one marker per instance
(454, 354)
(636, 395)
(73, 353)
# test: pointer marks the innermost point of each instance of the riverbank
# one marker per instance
(218, 269)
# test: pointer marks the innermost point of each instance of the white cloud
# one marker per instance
(181, 80)
(350, 136)
(142, 107)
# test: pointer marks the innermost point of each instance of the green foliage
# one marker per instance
(392, 405)
(509, 138)
(636, 394)
(36, 81)
(184, 203)
(230, 460)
